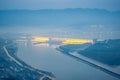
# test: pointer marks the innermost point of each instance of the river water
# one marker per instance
(46, 57)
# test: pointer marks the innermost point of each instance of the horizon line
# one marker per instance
(63, 9)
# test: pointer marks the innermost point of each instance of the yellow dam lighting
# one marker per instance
(77, 41)
(40, 39)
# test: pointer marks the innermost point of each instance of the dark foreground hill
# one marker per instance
(107, 52)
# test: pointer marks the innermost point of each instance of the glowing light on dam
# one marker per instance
(77, 41)
(40, 39)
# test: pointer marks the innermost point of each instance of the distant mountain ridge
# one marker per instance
(65, 17)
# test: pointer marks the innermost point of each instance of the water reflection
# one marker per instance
(42, 45)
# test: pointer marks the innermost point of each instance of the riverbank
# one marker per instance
(12, 68)
(89, 62)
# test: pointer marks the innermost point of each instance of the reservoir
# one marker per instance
(46, 57)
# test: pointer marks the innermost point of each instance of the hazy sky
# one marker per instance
(59, 4)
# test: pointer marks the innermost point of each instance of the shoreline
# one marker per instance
(116, 75)
(23, 68)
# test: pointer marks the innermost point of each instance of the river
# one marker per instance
(46, 57)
